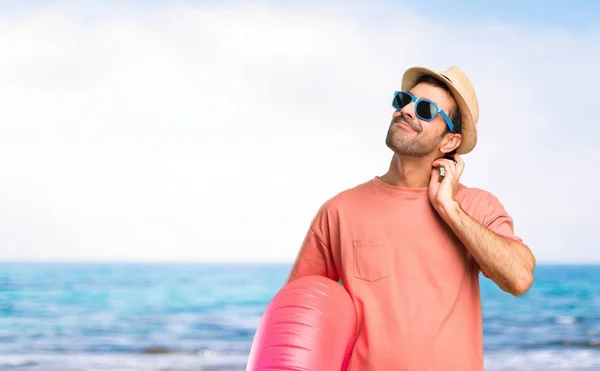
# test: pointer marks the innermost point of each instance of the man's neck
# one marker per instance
(408, 172)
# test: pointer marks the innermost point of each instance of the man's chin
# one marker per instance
(396, 147)
(405, 148)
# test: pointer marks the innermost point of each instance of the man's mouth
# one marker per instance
(401, 120)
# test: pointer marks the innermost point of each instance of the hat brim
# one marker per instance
(469, 129)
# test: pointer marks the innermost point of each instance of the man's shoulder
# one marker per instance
(473, 194)
(479, 203)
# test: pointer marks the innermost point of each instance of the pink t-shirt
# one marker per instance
(414, 285)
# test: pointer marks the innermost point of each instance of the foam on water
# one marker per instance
(543, 360)
(120, 362)
(537, 360)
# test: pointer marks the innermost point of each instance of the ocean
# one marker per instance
(180, 317)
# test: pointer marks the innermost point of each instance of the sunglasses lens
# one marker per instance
(425, 110)
(401, 100)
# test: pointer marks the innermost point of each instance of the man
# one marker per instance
(408, 246)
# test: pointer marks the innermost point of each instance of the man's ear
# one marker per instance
(450, 142)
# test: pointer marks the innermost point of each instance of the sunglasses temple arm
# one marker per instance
(448, 121)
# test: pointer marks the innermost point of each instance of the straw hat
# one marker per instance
(463, 93)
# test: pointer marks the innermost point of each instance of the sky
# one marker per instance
(213, 131)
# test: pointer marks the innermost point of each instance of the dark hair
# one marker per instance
(455, 115)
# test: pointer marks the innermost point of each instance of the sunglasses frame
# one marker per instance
(415, 100)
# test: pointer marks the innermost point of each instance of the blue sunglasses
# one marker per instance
(425, 109)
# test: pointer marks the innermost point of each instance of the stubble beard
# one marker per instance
(406, 143)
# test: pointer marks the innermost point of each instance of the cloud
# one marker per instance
(214, 131)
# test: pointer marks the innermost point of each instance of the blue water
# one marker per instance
(202, 317)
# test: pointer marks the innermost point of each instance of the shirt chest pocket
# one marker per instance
(373, 259)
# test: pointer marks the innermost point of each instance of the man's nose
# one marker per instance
(409, 110)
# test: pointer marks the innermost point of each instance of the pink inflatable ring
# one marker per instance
(310, 325)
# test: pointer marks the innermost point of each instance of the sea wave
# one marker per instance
(530, 360)
(120, 362)
(543, 360)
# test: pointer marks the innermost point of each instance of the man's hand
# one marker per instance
(442, 190)
(506, 261)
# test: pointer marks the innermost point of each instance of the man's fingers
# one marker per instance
(448, 165)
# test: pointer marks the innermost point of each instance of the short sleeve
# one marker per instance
(315, 256)
(497, 219)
